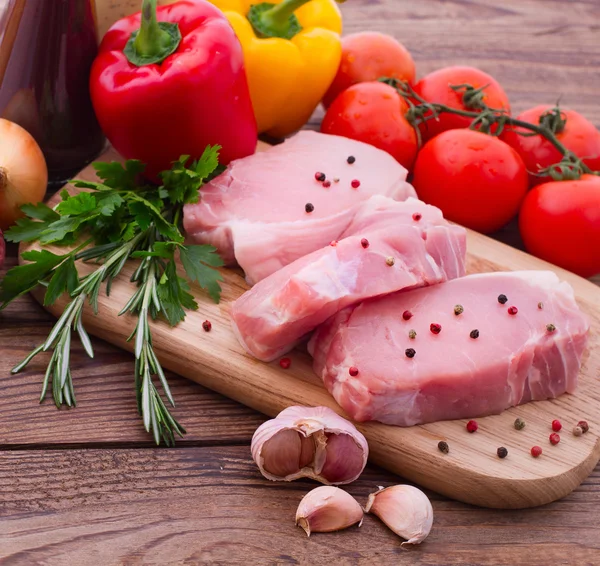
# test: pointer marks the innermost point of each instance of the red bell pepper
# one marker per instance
(171, 81)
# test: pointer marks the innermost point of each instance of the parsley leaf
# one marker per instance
(58, 231)
(116, 176)
(81, 203)
(29, 229)
(23, 278)
(64, 278)
(196, 261)
(174, 295)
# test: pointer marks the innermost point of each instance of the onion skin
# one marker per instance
(23, 172)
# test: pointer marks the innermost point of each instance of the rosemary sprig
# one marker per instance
(120, 218)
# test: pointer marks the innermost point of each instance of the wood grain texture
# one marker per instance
(217, 361)
(538, 49)
(211, 506)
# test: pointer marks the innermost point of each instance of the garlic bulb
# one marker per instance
(404, 509)
(310, 442)
(326, 509)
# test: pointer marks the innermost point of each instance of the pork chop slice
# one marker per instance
(389, 246)
(267, 210)
(482, 362)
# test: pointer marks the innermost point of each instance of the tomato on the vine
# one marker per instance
(476, 179)
(368, 56)
(574, 131)
(560, 222)
(374, 113)
(435, 87)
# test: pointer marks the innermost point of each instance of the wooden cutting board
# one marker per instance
(471, 472)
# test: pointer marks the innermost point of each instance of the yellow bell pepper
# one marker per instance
(289, 66)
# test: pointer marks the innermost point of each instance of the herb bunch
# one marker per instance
(121, 217)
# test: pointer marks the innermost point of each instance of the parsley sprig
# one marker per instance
(121, 217)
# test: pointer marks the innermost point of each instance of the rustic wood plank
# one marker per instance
(106, 411)
(211, 505)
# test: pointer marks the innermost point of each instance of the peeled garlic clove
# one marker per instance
(405, 509)
(326, 509)
(311, 442)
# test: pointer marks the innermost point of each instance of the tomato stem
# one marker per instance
(484, 118)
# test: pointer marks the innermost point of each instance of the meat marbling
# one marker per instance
(255, 212)
(516, 358)
(280, 310)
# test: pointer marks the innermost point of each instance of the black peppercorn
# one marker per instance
(410, 352)
(502, 452)
(309, 207)
(474, 334)
(502, 299)
(351, 159)
(443, 447)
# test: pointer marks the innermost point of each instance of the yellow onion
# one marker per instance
(23, 172)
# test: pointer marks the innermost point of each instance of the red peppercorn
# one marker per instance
(364, 243)
(353, 371)
(355, 184)
(285, 363)
(554, 438)
(333, 243)
(207, 325)
(320, 176)
(556, 426)
(435, 328)
(407, 315)
(472, 426)
(513, 310)
(326, 184)
(584, 426)
(536, 451)
(417, 216)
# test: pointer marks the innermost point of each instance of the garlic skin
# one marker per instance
(326, 509)
(405, 509)
(310, 442)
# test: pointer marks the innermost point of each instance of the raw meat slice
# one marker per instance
(453, 374)
(280, 310)
(255, 213)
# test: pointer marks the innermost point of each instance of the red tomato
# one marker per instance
(368, 56)
(560, 222)
(477, 180)
(435, 87)
(579, 135)
(373, 113)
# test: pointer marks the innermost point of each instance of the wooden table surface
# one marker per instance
(86, 486)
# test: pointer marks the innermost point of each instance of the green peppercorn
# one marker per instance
(519, 423)
(458, 309)
(412, 334)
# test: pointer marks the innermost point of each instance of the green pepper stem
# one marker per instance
(151, 39)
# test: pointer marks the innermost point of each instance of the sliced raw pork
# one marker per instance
(483, 360)
(268, 210)
(389, 246)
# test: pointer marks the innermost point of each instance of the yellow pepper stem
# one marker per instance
(276, 20)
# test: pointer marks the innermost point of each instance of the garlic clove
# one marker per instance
(307, 451)
(405, 509)
(281, 453)
(343, 458)
(326, 509)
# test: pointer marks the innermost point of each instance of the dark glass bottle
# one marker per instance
(46, 50)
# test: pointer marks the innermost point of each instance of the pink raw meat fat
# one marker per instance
(255, 213)
(514, 359)
(280, 310)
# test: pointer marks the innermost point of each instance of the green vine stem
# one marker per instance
(484, 118)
